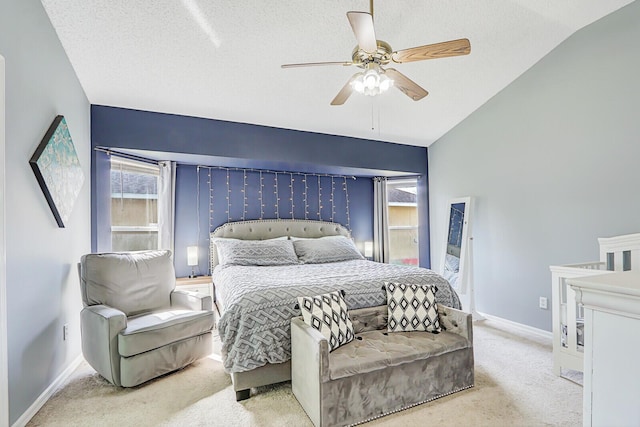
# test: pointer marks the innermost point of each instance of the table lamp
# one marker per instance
(192, 259)
(368, 249)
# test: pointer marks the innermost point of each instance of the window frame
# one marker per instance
(140, 167)
(412, 181)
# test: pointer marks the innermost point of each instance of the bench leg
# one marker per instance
(243, 394)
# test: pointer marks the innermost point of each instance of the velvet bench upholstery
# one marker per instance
(379, 372)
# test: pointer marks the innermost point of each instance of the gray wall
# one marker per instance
(553, 162)
(42, 284)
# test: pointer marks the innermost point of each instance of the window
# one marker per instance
(402, 205)
(134, 205)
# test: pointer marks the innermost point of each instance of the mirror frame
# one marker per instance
(462, 285)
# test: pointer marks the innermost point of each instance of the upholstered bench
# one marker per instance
(379, 372)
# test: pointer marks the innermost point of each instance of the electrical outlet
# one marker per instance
(65, 332)
(543, 303)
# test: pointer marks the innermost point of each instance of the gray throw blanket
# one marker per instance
(259, 302)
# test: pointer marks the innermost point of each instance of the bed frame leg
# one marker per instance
(243, 394)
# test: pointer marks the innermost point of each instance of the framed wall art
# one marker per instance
(57, 168)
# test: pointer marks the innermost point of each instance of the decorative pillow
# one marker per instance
(412, 308)
(326, 249)
(255, 252)
(328, 314)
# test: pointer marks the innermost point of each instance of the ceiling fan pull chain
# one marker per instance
(372, 122)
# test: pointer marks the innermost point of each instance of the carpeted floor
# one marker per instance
(515, 386)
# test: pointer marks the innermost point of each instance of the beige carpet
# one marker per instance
(514, 386)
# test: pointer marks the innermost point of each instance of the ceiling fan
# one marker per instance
(371, 54)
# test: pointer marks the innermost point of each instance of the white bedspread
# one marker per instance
(259, 302)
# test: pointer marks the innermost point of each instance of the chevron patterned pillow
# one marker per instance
(326, 249)
(328, 314)
(255, 252)
(412, 308)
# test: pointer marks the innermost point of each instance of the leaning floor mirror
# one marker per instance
(455, 251)
(457, 260)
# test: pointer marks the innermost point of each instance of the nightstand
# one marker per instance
(200, 284)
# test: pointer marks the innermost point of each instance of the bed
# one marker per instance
(257, 302)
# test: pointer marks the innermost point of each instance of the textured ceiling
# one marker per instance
(221, 59)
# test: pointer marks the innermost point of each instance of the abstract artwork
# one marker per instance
(57, 169)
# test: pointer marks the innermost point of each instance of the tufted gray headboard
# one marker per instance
(261, 229)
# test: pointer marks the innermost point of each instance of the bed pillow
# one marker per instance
(255, 252)
(326, 249)
(328, 314)
(412, 308)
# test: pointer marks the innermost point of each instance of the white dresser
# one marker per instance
(611, 347)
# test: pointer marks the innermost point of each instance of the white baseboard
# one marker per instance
(46, 395)
(530, 330)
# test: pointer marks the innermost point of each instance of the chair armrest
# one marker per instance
(99, 329)
(456, 321)
(309, 367)
(311, 349)
(191, 300)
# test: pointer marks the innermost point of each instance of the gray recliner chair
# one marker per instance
(134, 325)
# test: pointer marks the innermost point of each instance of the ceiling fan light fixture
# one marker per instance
(385, 83)
(371, 79)
(358, 83)
(372, 82)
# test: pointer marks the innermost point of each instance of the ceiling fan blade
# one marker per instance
(406, 85)
(345, 92)
(433, 51)
(362, 25)
(316, 64)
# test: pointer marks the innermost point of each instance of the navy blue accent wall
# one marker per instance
(220, 143)
(193, 209)
(275, 148)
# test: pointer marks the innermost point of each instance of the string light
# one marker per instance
(333, 187)
(228, 198)
(304, 196)
(260, 196)
(346, 196)
(319, 200)
(244, 194)
(275, 184)
(291, 198)
(210, 183)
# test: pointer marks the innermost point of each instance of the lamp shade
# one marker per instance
(368, 249)
(192, 255)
